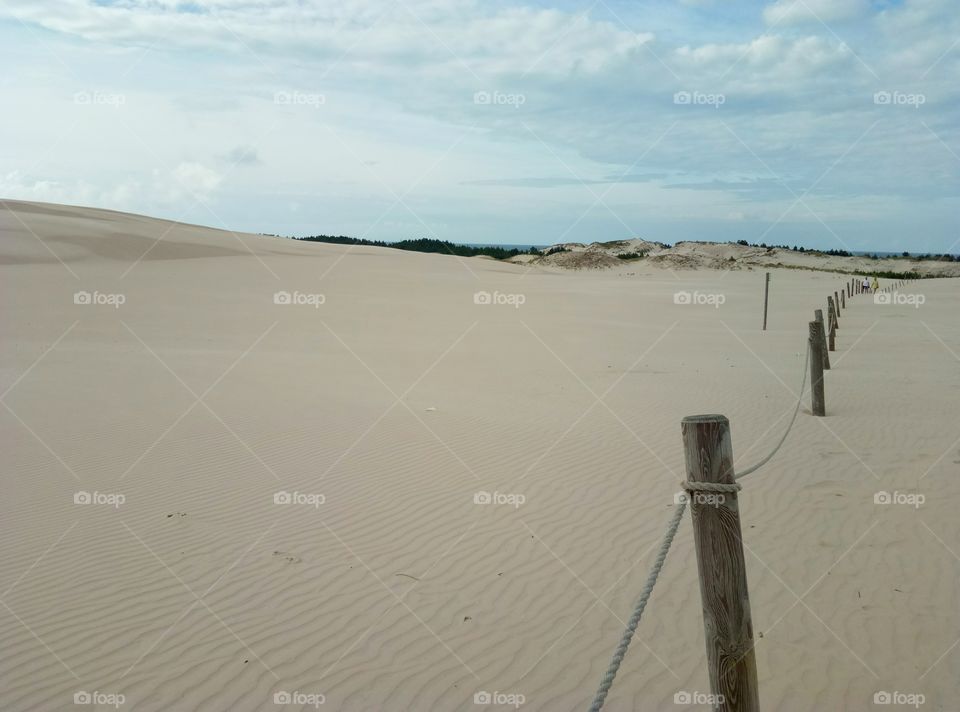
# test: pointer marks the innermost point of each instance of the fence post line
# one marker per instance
(817, 401)
(825, 357)
(727, 623)
(766, 296)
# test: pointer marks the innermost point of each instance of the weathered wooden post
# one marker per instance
(824, 356)
(766, 297)
(843, 300)
(834, 312)
(831, 324)
(836, 302)
(720, 562)
(817, 401)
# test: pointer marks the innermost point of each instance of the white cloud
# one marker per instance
(197, 178)
(788, 12)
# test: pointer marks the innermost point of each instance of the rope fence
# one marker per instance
(708, 446)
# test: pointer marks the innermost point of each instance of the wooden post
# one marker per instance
(836, 302)
(843, 300)
(832, 307)
(831, 324)
(720, 562)
(824, 356)
(766, 297)
(817, 401)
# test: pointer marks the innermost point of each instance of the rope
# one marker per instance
(803, 385)
(672, 527)
(634, 621)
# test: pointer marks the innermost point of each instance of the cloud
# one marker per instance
(241, 156)
(197, 179)
(790, 12)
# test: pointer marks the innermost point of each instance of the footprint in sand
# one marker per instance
(288, 557)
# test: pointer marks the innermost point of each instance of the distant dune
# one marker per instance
(725, 256)
(240, 470)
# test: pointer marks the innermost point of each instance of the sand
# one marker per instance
(387, 409)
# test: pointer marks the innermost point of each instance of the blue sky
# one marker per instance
(826, 123)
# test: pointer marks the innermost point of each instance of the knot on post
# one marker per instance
(711, 486)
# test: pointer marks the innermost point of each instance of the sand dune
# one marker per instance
(386, 408)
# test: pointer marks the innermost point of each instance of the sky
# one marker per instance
(832, 124)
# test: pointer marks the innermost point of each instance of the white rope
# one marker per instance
(672, 527)
(764, 461)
